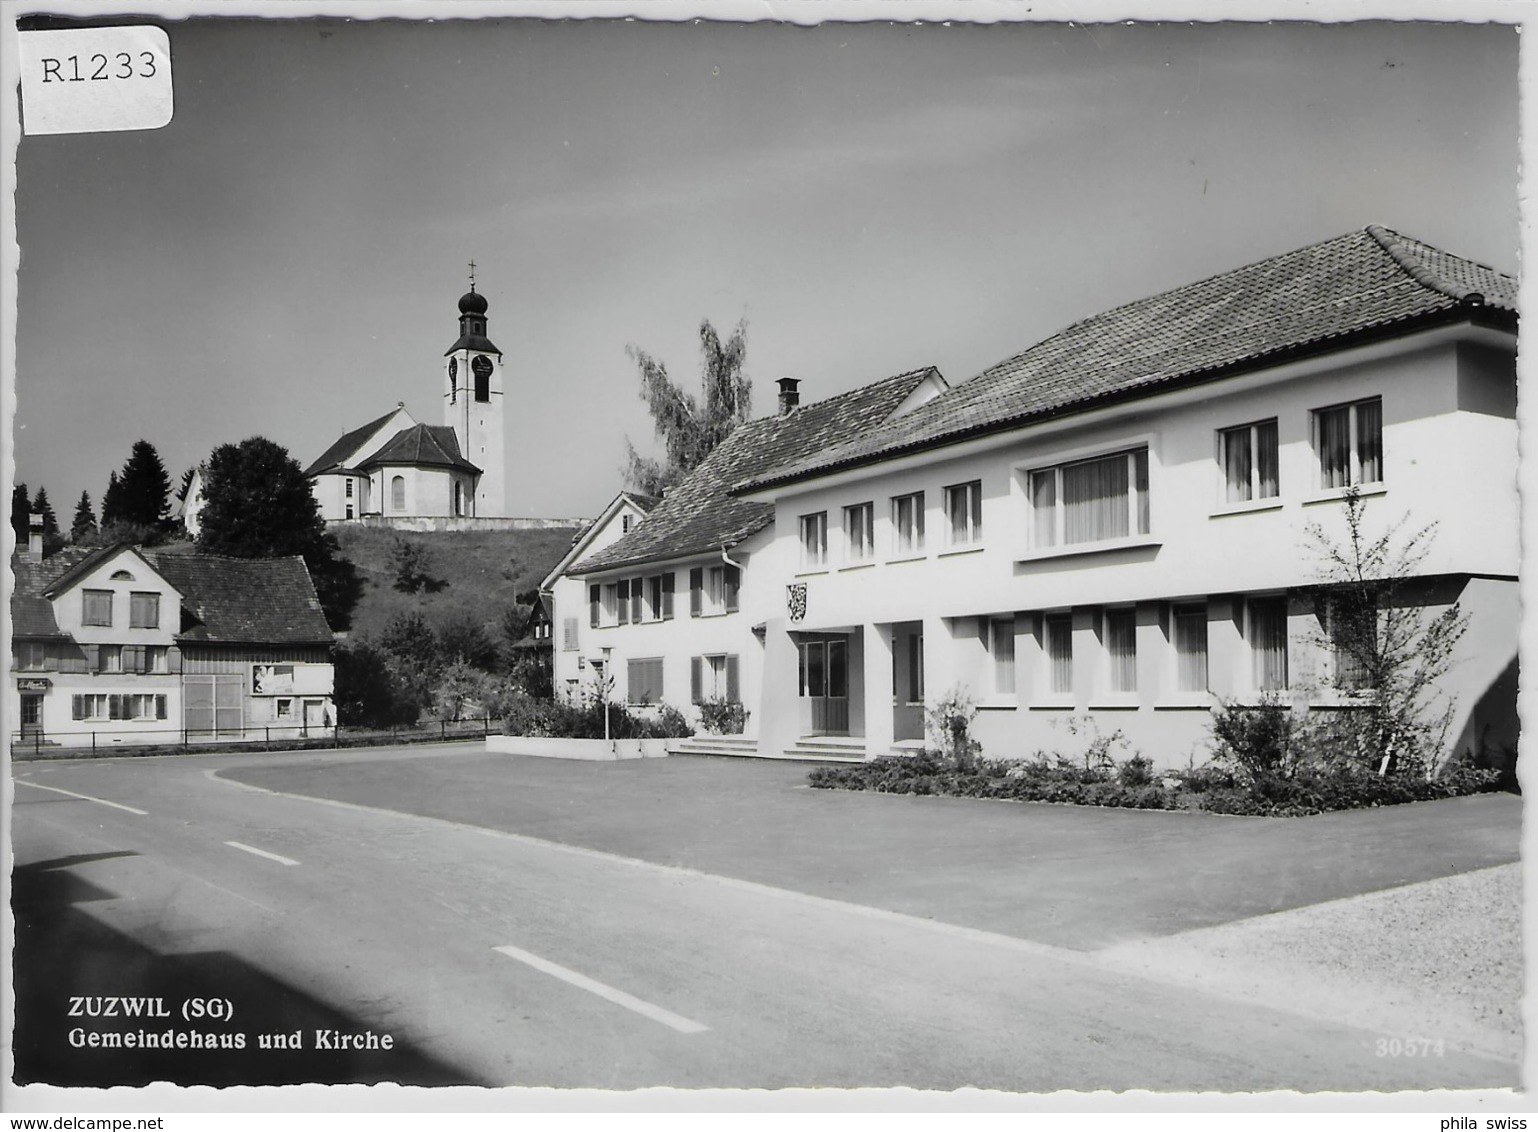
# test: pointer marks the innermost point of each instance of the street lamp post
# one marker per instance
(603, 688)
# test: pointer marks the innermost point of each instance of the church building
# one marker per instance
(398, 467)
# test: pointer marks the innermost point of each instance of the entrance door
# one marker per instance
(825, 684)
(31, 716)
(314, 716)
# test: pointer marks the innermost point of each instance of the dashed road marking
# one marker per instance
(262, 853)
(603, 990)
(82, 797)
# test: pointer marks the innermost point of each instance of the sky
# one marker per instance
(285, 257)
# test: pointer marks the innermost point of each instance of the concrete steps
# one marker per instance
(818, 749)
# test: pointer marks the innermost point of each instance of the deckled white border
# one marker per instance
(359, 1098)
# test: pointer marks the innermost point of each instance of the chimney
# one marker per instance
(35, 538)
(790, 395)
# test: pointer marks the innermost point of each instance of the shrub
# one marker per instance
(1258, 742)
(1136, 771)
(584, 719)
(949, 726)
(723, 717)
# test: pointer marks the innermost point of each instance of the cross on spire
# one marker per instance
(472, 275)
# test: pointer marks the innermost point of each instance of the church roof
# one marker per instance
(336, 457)
(422, 446)
(477, 342)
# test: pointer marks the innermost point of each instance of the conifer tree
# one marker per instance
(83, 528)
(20, 510)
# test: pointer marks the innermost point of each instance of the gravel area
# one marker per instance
(1439, 960)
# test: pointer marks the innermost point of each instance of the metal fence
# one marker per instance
(152, 741)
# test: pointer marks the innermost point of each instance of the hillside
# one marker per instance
(482, 572)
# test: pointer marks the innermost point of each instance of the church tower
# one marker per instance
(473, 403)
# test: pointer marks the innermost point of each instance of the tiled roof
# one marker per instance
(244, 600)
(336, 456)
(699, 515)
(1320, 298)
(31, 612)
(423, 445)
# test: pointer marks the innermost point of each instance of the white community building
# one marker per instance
(396, 467)
(1109, 529)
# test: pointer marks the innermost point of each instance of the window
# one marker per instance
(1249, 455)
(157, 659)
(1057, 633)
(908, 523)
(644, 683)
(95, 706)
(814, 540)
(349, 511)
(459, 498)
(659, 597)
(143, 611)
(110, 658)
(1349, 440)
(624, 524)
(285, 709)
(31, 656)
(860, 532)
(713, 678)
(1266, 630)
(616, 602)
(1091, 500)
(89, 706)
(482, 379)
(349, 487)
(998, 636)
(594, 607)
(1121, 649)
(713, 590)
(1351, 627)
(96, 608)
(964, 512)
(398, 493)
(1189, 626)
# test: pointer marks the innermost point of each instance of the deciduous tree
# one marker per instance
(688, 428)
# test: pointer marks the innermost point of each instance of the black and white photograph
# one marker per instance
(884, 547)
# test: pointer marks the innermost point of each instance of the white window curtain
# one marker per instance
(1121, 648)
(1095, 500)
(1268, 643)
(1369, 440)
(1191, 648)
(999, 639)
(1059, 633)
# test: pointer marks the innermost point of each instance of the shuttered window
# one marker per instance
(644, 681)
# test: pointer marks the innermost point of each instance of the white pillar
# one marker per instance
(878, 690)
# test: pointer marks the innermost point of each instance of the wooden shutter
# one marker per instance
(622, 604)
(594, 603)
(696, 590)
(696, 678)
(77, 707)
(173, 659)
(667, 596)
(93, 658)
(731, 679)
(731, 582)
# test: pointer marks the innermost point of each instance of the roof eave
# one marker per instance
(1478, 313)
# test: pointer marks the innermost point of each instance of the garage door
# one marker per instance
(213, 706)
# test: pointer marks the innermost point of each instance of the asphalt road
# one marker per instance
(495, 949)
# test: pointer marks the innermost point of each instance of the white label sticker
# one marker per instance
(84, 80)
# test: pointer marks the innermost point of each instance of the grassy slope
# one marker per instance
(484, 571)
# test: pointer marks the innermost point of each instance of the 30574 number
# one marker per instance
(99, 68)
